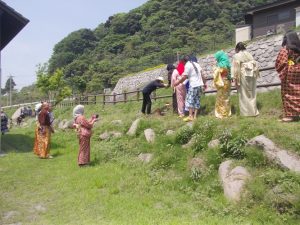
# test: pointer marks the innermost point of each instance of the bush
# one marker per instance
(203, 133)
(256, 157)
(232, 147)
(184, 135)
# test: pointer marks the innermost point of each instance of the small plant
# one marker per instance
(196, 174)
(204, 133)
(184, 135)
(232, 147)
(256, 157)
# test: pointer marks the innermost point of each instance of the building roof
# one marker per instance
(11, 23)
(270, 5)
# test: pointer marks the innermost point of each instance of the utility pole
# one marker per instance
(10, 91)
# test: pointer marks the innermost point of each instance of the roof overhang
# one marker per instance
(11, 24)
(269, 6)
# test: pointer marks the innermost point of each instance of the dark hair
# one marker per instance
(170, 67)
(193, 59)
(186, 58)
(284, 40)
(240, 47)
(292, 41)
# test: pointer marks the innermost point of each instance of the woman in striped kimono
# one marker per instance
(288, 67)
(84, 133)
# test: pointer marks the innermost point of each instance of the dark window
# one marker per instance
(271, 19)
(285, 15)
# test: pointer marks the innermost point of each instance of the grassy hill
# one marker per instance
(119, 189)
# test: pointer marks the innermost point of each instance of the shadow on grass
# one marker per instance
(20, 143)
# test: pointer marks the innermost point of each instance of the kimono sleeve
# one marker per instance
(281, 64)
(84, 123)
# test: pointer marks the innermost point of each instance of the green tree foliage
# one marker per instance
(9, 85)
(54, 85)
(71, 48)
(147, 36)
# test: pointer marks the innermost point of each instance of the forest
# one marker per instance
(148, 36)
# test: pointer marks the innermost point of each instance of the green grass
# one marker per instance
(118, 189)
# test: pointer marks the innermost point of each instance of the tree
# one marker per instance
(52, 84)
(9, 85)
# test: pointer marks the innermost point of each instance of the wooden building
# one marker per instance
(273, 18)
(11, 23)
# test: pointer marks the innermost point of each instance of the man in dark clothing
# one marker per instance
(153, 85)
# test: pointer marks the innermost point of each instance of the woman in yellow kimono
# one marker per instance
(222, 82)
(43, 133)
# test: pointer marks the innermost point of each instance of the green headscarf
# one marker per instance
(222, 60)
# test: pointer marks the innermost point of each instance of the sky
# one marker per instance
(50, 22)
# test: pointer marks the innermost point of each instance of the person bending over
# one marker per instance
(148, 89)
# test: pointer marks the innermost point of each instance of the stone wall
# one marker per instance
(264, 50)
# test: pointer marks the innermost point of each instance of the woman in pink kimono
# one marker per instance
(180, 90)
(84, 130)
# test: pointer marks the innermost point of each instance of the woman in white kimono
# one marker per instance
(245, 73)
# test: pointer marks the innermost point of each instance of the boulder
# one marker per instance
(170, 132)
(68, 125)
(56, 123)
(24, 124)
(145, 157)
(283, 158)
(40, 208)
(233, 180)
(190, 143)
(190, 124)
(65, 124)
(117, 122)
(112, 134)
(115, 134)
(282, 201)
(16, 114)
(104, 136)
(214, 143)
(132, 130)
(61, 124)
(196, 164)
(149, 135)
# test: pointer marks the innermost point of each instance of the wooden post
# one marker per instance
(115, 98)
(95, 98)
(154, 95)
(125, 96)
(104, 98)
(138, 95)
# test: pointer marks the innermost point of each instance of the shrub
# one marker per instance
(256, 157)
(203, 133)
(232, 147)
(184, 135)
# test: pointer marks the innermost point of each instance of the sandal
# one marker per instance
(286, 119)
(188, 119)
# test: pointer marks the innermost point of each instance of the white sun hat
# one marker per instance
(160, 79)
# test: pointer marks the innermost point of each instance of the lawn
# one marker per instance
(119, 189)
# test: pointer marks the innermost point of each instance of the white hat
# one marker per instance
(160, 78)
